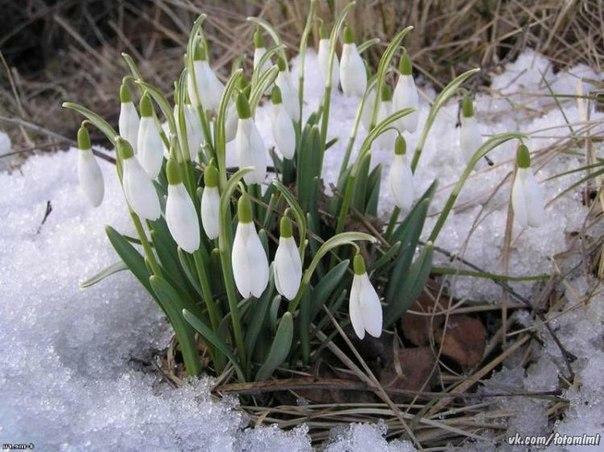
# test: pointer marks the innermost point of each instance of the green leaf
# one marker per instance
(323, 290)
(213, 339)
(259, 312)
(99, 122)
(187, 264)
(279, 348)
(105, 273)
(171, 302)
(130, 256)
(412, 287)
(373, 185)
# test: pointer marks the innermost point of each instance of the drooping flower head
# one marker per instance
(150, 145)
(406, 96)
(352, 69)
(89, 172)
(323, 57)
(400, 178)
(210, 203)
(282, 126)
(527, 195)
(249, 147)
(181, 215)
(128, 121)
(208, 91)
(364, 308)
(469, 134)
(287, 267)
(289, 93)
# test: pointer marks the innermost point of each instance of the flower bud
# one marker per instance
(128, 121)
(352, 70)
(400, 178)
(287, 267)
(364, 307)
(527, 195)
(210, 203)
(282, 127)
(249, 147)
(406, 96)
(470, 138)
(149, 143)
(89, 172)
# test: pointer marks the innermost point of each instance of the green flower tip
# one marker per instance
(83, 138)
(243, 107)
(201, 50)
(210, 176)
(125, 95)
(173, 172)
(348, 36)
(523, 157)
(281, 64)
(400, 145)
(467, 107)
(323, 33)
(124, 149)
(244, 209)
(145, 106)
(359, 264)
(405, 66)
(276, 95)
(285, 227)
(386, 93)
(258, 39)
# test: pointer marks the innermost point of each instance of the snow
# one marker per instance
(71, 377)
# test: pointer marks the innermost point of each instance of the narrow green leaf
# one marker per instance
(279, 348)
(105, 273)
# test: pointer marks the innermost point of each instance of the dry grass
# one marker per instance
(71, 49)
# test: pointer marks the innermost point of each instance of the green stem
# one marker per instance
(155, 269)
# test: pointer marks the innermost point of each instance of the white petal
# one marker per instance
(150, 147)
(194, 132)
(230, 123)
(400, 182)
(139, 191)
(210, 211)
(289, 95)
(209, 87)
(250, 151)
(352, 71)
(128, 124)
(519, 204)
(324, 64)
(469, 137)
(371, 309)
(354, 307)
(534, 200)
(405, 96)
(90, 177)
(283, 132)
(385, 140)
(182, 218)
(250, 264)
(259, 53)
(366, 114)
(287, 268)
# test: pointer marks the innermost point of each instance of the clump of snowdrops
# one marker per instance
(255, 264)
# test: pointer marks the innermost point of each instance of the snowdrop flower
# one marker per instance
(89, 172)
(249, 147)
(283, 128)
(259, 51)
(210, 203)
(230, 123)
(209, 87)
(128, 121)
(469, 133)
(400, 178)
(387, 138)
(288, 266)
(405, 96)
(194, 132)
(150, 145)
(364, 308)
(138, 186)
(250, 264)
(180, 211)
(527, 194)
(289, 93)
(323, 57)
(352, 70)
(367, 113)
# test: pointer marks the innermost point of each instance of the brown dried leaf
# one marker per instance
(464, 340)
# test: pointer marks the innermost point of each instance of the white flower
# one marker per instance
(289, 94)
(364, 308)
(249, 147)
(282, 127)
(194, 132)
(128, 121)
(230, 123)
(352, 71)
(150, 145)
(469, 133)
(405, 96)
(385, 109)
(250, 264)
(527, 195)
(209, 87)
(366, 114)
(400, 178)
(288, 266)
(324, 64)
(259, 51)
(89, 172)
(181, 216)
(138, 186)
(210, 203)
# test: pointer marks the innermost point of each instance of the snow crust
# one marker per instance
(71, 376)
